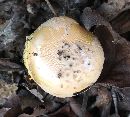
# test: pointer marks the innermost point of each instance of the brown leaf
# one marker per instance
(103, 97)
(112, 8)
(106, 39)
(99, 100)
(27, 98)
(7, 65)
(13, 112)
(26, 115)
(64, 111)
(3, 111)
(116, 68)
(12, 102)
(38, 111)
(77, 108)
(124, 100)
(119, 74)
(121, 23)
(91, 18)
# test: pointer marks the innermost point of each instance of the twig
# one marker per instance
(67, 6)
(51, 7)
(84, 104)
(115, 101)
(105, 112)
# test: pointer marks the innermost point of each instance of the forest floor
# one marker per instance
(109, 20)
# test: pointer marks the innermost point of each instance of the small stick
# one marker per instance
(51, 7)
(84, 104)
(115, 101)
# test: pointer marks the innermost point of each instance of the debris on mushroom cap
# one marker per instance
(62, 57)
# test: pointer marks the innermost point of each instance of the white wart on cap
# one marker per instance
(62, 57)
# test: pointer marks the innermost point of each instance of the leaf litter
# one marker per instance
(108, 97)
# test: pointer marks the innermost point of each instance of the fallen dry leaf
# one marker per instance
(7, 65)
(116, 68)
(64, 111)
(112, 8)
(3, 111)
(26, 115)
(77, 108)
(121, 23)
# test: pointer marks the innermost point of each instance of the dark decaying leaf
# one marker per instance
(112, 8)
(116, 49)
(12, 102)
(119, 74)
(6, 6)
(26, 99)
(6, 65)
(119, 59)
(91, 18)
(65, 111)
(107, 41)
(11, 30)
(124, 101)
(38, 112)
(121, 23)
(78, 108)
(13, 112)
(26, 115)
(3, 111)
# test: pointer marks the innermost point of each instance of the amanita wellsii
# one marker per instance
(62, 57)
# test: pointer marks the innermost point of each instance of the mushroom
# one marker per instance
(62, 57)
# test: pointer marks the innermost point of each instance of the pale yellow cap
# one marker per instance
(62, 57)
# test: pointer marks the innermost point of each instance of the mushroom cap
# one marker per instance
(62, 57)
